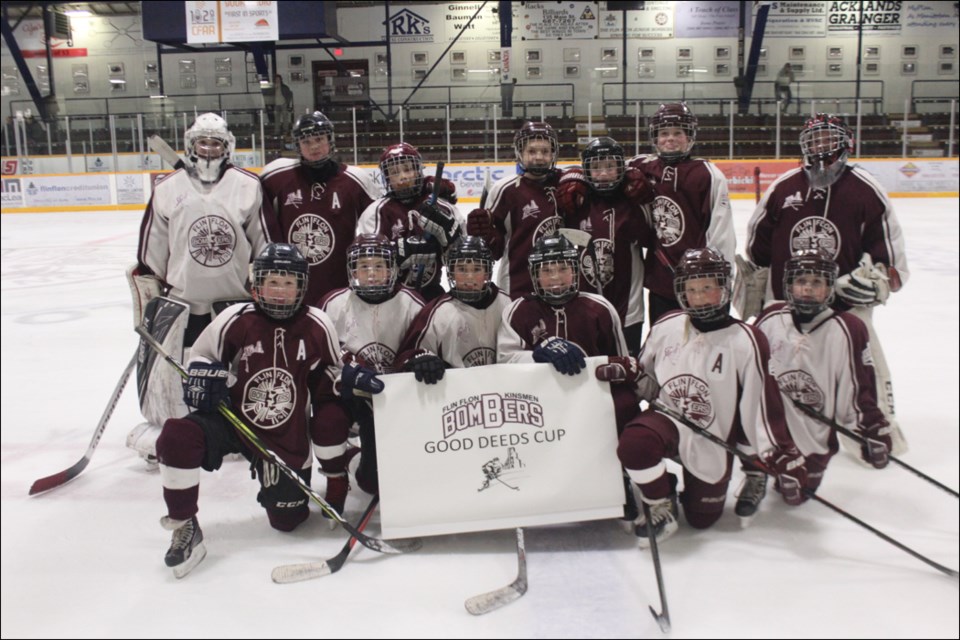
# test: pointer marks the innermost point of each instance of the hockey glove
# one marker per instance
(357, 380)
(205, 386)
(867, 285)
(447, 190)
(619, 369)
(427, 367)
(749, 288)
(480, 224)
(415, 251)
(572, 191)
(876, 449)
(566, 357)
(438, 223)
(636, 187)
(790, 468)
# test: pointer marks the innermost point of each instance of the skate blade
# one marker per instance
(196, 556)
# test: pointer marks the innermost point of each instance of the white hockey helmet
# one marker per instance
(208, 144)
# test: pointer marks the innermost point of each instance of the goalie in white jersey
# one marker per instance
(713, 369)
(203, 226)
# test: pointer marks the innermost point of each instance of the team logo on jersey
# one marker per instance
(691, 396)
(801, 387)
(429, 271)
(249, 350)
(212, 241)
(378, 357)
(479, 357)
(317, 190)
(530, 210)
(866, 357)
(295, 199)
(538, 332)
(793, 201)
(269, 398)
(815, 233)
(668, 221)
(604, 258)
(313, 236)
(546, 228)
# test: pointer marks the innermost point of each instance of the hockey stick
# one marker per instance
(288, 573)
(486, 188)
(750, 461)
(251, 436)
(437, 179)
(816, 415)
(506, 485)
(159, 146)
(492, 600)
(68, 474)
(663, 619)
(756, 181)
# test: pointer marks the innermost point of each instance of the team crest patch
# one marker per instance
(313, 236)
(377, 357)
(801, 387)
(479, 357)
(668, 221)
(604, 262)
(691, 396)
(548, 227)
(212, 241)
(815, 233)
(269, 398)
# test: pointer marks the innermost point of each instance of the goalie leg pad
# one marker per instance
(158, 384)
(143, 289)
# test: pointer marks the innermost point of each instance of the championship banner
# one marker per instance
(496, 447)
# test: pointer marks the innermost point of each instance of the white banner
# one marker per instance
(496, 447)
(556, 21)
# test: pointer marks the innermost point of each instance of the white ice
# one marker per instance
(86, 560)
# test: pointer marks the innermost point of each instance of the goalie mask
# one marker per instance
(279, 280)
(603, 164)
(808, 281)
(555, 269)
(372, 267)
(469, 268)
(537, 147)
(702, 284)
(313, 134)
(402, 170)
(673, 131)
(209, 144)
(825, 143)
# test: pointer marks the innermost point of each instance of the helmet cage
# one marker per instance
(283, 260)
(530, 132)
(550, 251)
(596, 152)
(311, 126)
(200, 151)
(469, 249)
(703, 263)
(673, 115)
(825, 143)
(395, 158)
(810, 262)
(371, 246)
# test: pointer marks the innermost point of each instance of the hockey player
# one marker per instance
(561, 325)
(458, 329)
(606, 201)
(714, 370)
(201, 230)
(280, 354)
(422, 231)
(692, 205)
(843, 209)
(318, 202)
(521, 209)
(821, 358)
(371, 315)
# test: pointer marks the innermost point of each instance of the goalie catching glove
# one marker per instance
(566, 357)
(205, 386)
(867, 285)
(426, 366)
(619, 369)
(433, 220)
(789, 467)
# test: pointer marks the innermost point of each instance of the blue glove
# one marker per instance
(357, 378)
(205, 386)
(427, 367)
(566, 357)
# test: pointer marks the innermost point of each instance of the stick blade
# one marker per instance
(60, 478)
(287, 573)
(493, 600)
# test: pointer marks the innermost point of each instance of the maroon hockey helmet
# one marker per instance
(673, 115)
(817, 272)
(534, 131)
(825, 143)
(372, 280)
(403, 162)
(697, 264)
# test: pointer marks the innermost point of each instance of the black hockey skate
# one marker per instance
(186, 548)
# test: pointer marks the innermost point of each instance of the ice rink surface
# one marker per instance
(86, 560)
